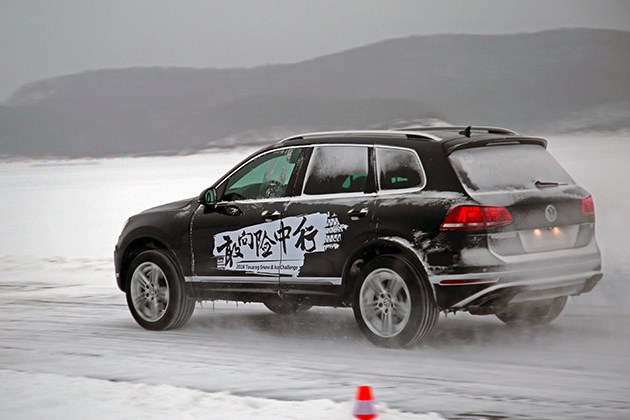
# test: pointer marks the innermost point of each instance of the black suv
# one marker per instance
(398, 225)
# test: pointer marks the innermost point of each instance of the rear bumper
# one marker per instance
(530, 278)
(498, 296)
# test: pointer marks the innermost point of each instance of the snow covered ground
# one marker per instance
(70, 349)
(46, 396)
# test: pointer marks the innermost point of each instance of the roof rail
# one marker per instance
(489, 130)
(368, 133)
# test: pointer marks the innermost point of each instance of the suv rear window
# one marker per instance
(508, 167)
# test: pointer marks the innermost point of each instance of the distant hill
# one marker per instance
(548, 81)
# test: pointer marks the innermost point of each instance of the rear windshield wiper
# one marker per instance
(547, 184)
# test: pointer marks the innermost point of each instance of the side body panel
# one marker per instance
(347, 222)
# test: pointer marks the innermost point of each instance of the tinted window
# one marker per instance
(337, 169)
(501, 168)
(398, 169)
(266, 176)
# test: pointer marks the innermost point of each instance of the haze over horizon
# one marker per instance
(44, 39)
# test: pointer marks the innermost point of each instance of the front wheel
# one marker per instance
(533, 313)
(155, 292)
(393, 303)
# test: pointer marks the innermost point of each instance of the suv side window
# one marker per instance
(398, 169)
(337, 169)
(266, 176)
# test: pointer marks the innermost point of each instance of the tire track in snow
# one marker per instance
(472, 365)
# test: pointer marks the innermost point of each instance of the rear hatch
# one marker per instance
(549, 211)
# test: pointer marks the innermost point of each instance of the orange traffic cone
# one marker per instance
(364, 407)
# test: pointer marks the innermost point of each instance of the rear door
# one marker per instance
(331, 217)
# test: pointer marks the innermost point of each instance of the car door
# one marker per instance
(331, 217)
(235, 243)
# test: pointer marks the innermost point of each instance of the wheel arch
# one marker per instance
(137, 246)
(376, 247)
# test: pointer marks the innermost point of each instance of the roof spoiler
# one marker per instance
(465, 143)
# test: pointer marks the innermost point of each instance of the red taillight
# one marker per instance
(588, 207)
(468, 217)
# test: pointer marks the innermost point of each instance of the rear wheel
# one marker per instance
(155, 292)
(393, 303)
(533, 313)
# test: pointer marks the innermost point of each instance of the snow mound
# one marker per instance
(37, 395)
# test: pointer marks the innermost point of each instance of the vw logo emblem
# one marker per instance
(551, 213)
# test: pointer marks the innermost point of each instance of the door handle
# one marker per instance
(269, 216)
(355, 214)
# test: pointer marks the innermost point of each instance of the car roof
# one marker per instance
(450, 137)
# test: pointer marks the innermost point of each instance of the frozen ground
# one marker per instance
(69, 348)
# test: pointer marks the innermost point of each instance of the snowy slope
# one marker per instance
(69, 348)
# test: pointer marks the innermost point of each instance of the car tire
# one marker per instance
(535, 313)
(155, 292)
(393, 303)
(286, 306)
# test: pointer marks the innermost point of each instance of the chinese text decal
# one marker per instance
(278, 246)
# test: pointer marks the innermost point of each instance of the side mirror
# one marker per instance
(208, 197)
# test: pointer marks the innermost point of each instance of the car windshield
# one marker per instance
(508, 167)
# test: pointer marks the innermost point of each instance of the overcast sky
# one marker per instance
(44, 38)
